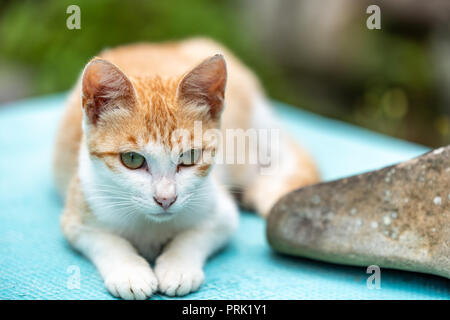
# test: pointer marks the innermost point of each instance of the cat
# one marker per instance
(128, 200)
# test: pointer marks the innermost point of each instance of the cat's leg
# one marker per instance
(293, 168)
(282, 165)
(126, 274)
(179, 268)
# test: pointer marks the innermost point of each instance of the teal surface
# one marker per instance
(35, 261)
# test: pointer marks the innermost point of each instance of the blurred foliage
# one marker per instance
(35, 33)
(394, 91)
(389, 89)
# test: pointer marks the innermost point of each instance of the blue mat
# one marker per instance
(35, 261)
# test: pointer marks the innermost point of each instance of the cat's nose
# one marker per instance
(165, 202)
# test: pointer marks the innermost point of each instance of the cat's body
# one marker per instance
(114, 215)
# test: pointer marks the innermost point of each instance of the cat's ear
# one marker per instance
(105, 87)
(205, 85)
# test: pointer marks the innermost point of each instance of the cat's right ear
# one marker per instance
(105, 87)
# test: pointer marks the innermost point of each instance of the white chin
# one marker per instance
(159, 217)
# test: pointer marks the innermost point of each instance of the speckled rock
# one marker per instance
(396, 217)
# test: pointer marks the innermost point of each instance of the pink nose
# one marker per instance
(165, 202)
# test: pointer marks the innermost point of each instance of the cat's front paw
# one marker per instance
(178, 279)
(131, 282)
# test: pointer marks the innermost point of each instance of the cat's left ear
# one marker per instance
(104, 88)
(205, 85)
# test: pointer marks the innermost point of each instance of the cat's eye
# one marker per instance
(190, 157)
(132, 160)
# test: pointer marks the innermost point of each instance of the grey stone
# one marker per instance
(396, 217)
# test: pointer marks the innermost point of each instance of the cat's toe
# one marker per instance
(132, 283)
(178, 280)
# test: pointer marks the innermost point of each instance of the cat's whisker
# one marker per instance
(113, 207)
(111, 191)
(109, 187)
(109, 199)
(110, 206)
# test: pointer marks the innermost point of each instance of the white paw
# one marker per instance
(131, 282)
(178, 279)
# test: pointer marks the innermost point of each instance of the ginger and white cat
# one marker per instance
(129, 201)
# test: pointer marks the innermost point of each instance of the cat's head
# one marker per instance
(139, 131)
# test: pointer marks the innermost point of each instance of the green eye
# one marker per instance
(190, 157)
(132, 160)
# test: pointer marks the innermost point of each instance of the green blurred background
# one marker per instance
(315, 54)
